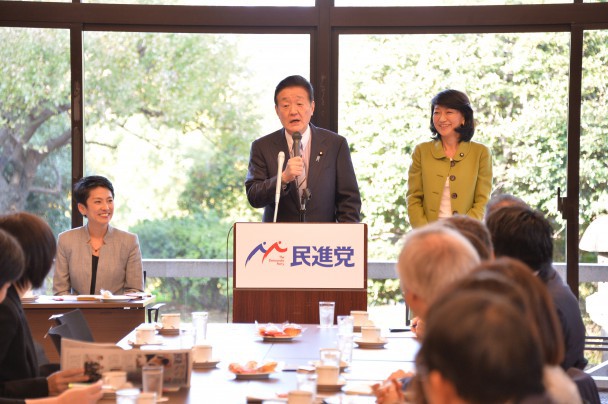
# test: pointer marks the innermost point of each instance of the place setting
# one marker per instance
(202, 357)
(285, 332)
(169, 324)
(371, 338)
(145, 334)
(252, 370)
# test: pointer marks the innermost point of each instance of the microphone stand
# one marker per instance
(305, 197)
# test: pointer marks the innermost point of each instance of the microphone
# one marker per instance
(297, 141)
(277, 194)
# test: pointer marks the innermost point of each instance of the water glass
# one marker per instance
(127, 396)
(345, 345)
(152, 380)
(326, 314)
(199, 323)
(345, 325)
(307, 381)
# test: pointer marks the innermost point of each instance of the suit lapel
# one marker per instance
(318, 152)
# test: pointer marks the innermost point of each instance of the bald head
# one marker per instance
(433, 257)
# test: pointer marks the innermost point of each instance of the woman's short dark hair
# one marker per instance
(83, 187)
(484, 346)
(294, 81)
(456, 100)
(37, 242)
(12, 261)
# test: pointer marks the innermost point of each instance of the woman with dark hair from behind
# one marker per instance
(450, 174)
(19, 370)
(478, 348)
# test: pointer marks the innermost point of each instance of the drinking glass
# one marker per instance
(326, 314)
(152, 380)
(199, 323)
(345, 325)
(345, 345)
(127, 396)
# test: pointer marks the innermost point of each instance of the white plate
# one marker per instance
(358, 389)
(116, 298)
(371, 344)
(279, 338)
(205, 365)
(343, 365)
(252, 376)
(157, 341)
(331, 387)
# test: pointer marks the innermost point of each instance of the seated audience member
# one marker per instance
(19, 371)
(432, 257)
(500, 201)
(473, 230)
(513, 280)
(523, 233)
(97, 256)
(478, 348)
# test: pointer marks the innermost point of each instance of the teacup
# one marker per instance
(299, 397)
(170, 320)
(144, 334)
(330, 356)
(201, 353)
(359, 317)
(116, 379)
(327, 374)
(146, 398)
(370, 334)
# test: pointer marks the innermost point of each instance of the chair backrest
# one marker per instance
(586, 385)
(58, 332)
(77, 325)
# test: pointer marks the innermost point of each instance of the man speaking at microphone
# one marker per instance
(317, 182)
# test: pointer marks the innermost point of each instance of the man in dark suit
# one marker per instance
(321, 179)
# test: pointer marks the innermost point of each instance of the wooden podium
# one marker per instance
(283, 270)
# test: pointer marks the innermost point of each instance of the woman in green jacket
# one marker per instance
(450, 174)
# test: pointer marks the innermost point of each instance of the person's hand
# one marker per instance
(398, 374)
(294, 168)
(59, 381)
(417, 327)
(81, 395)
(388, 392)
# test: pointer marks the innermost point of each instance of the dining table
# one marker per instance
(240, 343)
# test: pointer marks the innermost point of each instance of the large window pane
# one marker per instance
(410, 3)
(169, 119)
(594, 178)
(249, 3)
(35, 140)
(517, 84)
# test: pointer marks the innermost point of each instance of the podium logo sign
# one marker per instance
(299, 255)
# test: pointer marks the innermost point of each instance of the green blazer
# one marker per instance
(470, 175)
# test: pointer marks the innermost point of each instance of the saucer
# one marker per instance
(168, 331)
(252, 376)
(29, 299)
(343, 364)
(371, 344)
(157, 341)
(205, 365)
(332, 387)
(278, 338)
